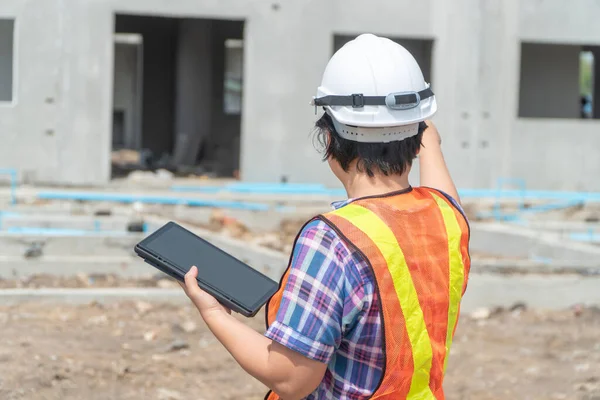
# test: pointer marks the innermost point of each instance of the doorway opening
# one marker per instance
(177, 95)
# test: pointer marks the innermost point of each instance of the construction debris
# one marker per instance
(177, 344)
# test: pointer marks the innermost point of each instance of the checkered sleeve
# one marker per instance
(309, 320)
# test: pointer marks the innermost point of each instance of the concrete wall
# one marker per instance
(58, 129)
(546, 152)
(62, 117)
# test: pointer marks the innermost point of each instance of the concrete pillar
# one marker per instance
(193, 89)
(499, 89)
(127, 91)
(456, 82)
(223, 156)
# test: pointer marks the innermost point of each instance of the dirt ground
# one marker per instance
(136, 350)
(164, 352)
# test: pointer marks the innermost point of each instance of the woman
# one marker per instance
(370, 300)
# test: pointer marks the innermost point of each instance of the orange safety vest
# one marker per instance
(417, 245)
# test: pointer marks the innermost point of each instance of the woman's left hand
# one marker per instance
(204, 302)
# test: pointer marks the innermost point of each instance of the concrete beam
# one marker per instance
(126, 267)
(89, 246)
(511, 241)
(484, 290)
(112, 254)
(86, 296)
(537, 291)
(256, 221)
(65, 222)
(528, 267)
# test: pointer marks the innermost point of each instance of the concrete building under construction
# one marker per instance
(225, 84)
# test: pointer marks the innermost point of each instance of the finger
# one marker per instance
(191, 285)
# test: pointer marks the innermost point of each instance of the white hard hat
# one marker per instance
(375, 91)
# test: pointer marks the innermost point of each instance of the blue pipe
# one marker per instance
(315, 189)
(299, 186)
(12, 173)
(590, 237)
(62, 232)
(499, 215)
(263, 188)
(125, 198)
(589, 197)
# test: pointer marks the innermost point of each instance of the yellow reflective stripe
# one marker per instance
(457, 269)
(385, 240)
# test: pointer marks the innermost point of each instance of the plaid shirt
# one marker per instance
(330, 313)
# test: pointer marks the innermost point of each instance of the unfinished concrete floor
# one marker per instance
(510, 263)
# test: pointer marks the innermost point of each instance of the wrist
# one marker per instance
(213, 315)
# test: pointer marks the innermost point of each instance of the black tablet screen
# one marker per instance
(225, 273)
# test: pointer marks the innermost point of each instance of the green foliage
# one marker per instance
(586, 74)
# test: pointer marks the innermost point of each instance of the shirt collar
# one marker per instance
(336, 205)
(341, 203)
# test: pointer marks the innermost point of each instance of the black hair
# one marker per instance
(393, 158)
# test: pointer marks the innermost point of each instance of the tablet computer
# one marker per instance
(174, 250)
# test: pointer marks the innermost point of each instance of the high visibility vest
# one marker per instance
(416, 244)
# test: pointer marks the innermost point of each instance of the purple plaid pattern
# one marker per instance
(330, 313)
